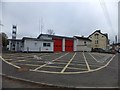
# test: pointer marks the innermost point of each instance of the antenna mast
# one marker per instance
(42, 26)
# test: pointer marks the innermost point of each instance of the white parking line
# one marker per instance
(103, 59)
(68, 63)
(19, 61)
(52, 60)
(88, 67)
(60, 57)
(9, 63)
(48, 55)
(9, 59)
(94, 57)
(79, 72)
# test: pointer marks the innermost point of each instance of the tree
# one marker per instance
(4, 39)
(50, 32)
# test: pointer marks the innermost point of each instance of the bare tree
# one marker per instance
(50, 32)
(4, 38)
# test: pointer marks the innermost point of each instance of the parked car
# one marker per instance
(98, 50)
(118, 50)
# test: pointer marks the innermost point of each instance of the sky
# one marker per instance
(68, 18)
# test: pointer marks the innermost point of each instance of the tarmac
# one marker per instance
(65, 69)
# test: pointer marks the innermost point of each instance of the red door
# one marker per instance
(58, 45)
(68, 45)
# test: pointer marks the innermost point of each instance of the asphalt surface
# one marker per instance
(12, 83)
(106, 77)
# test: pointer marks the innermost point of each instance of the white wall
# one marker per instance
(18, 45)
(83, 48)
(10, 45)
(31, 45)
(75, 44)
(63, 44)
(80, 46)
(35, 45)
(46, 38)
(47, 48)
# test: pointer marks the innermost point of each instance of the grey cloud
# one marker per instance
(64, 18)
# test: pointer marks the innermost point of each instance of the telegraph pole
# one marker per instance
(1, 38)
(42, 26)
(116, 39)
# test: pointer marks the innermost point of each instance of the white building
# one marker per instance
(50, 43)
(15, 45)
(82, 44)
(31, 45)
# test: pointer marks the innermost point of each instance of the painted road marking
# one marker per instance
(28, 64)
(19, 61)
(68, 63)
(75, 68)
(9, 63)
(104, 58)
(48, 55)
(67, 67)
(34, 57)
(52, 60)
(88, 67)
(54, 66)
(28, 61)
(60, 57)
(9, 59)
(76, 72)
(106, 64)
(94, 57)
(40, 67)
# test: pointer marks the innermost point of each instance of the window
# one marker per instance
(46, 44)
(13, 45)
(35, 43)
(96, 36)
(96, 42)
(85, 43)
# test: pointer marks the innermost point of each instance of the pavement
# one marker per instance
(76, 69)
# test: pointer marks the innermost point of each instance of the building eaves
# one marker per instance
(14, 39)
(83, 38)
(35, 39)
(106, 35)
(54, 36)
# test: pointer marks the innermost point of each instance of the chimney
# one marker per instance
(82, 35)
(98, 30)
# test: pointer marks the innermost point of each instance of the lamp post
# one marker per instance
(1, 38)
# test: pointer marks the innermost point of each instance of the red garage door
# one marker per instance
(57, 45)
(68, 45)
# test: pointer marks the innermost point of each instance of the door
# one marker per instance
(58, 45)
(68, 45)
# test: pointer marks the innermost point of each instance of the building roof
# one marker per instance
(83, 38)
(15, 39)
(52, 36)
(99, 31)
(35, 39)
(115, 44)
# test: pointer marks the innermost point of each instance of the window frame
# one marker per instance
(46, 44)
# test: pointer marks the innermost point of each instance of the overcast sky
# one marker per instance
(65, 18)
